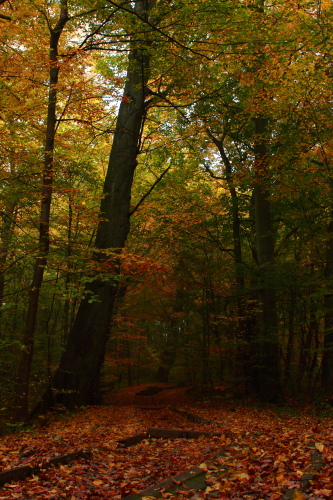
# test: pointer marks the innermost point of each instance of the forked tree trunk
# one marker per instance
(22, 389)
(77, 379)
(245, 316)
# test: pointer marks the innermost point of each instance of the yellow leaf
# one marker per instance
(280, 478)
(280, 458)
(243, 475)
(319, 447)
(33, 479)
(98, 482)
(203, 466)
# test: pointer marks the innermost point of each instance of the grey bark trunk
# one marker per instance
(268, 346)
(327, 363)
(77, 379)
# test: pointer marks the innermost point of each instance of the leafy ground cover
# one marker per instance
(266, 453)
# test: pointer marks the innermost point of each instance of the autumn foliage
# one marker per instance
(166, 218)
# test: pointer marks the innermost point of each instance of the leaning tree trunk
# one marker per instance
(22, 389)
(267, 342)
(77, 379)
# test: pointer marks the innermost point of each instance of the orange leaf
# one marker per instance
(298, 496)
(98, 482)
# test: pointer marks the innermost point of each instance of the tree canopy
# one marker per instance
(166, 202)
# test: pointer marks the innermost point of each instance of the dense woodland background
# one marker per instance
(166, 200)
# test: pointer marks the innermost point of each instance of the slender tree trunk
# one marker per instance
(77, 379)
(291, 339)
(327, 363)
(68, 253)
(244, 313)
(6, 233)
(22, 389)
(169, 351)
(268, 346)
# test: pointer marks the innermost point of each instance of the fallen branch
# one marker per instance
(192, 479)
(21, 473)
(159, 433)
(132, 440)
(191, 417)
(317, 463)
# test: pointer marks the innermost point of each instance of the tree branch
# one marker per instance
(149, 191)
(161, 32)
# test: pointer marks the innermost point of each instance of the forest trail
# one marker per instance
(243, 452)
(168, 394)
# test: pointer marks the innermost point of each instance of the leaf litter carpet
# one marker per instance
(266, 453)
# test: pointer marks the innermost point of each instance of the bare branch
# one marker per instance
(161, 32)
(152, 187)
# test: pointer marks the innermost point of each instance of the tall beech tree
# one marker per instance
(267, 355)
(77, 379)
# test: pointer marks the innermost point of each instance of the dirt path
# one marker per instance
(262, 455)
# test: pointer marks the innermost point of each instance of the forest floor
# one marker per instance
(258, 454)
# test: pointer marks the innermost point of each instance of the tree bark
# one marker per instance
(6, 233)
(327, 363)
(244, 313)
(22, 389)
(268, 346)
(77, 379)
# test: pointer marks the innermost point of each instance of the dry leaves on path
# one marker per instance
(265, 454)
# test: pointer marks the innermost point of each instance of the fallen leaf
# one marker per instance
(243, 475)
(280, 478)
(319, 447)
(324, 492)
(98, 482)
(298, 496)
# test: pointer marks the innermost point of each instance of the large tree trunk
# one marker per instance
(77, 379)
(327, 363)
(22, 389)
(268, 346)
